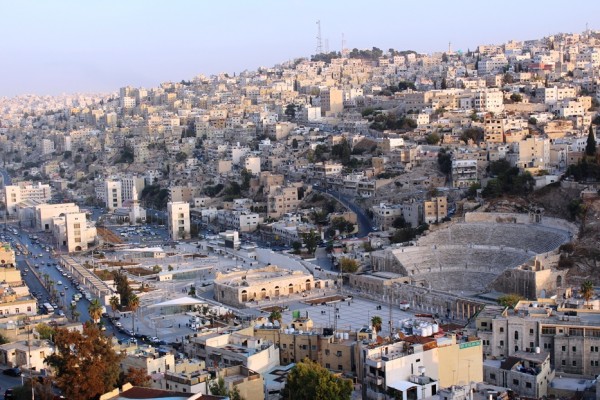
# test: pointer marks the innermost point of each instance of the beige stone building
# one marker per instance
(435, 210)
(282, 200)
(178, 218)
(45, 213)
(248, 383)
(301, 340)
(14, 194)
(545, 326)
(238, 288)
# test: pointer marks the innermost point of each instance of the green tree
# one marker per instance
(134, 304)
(516, 97)
(309, 381)
(275, 316)
(587, 291)
(45, 331)
(400, 223)
(444, 160)
(590, 145)
(181, 156)
(246, 177)
(348, 265)
(432, 138)
(73, 311)
(509, 300)
(218, 388)
(376, 322)
(290, 111)
(311, 240)
(42, 390)
(114, 303)
(474, 134)
(122, 285)
(86, 354)
(297, 246)
(95, 310)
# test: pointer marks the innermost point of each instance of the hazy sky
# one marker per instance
(59, 46)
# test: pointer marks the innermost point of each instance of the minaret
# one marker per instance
(134, 212)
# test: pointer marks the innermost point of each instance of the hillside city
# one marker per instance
(363, 224)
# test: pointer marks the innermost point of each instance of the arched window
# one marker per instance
(516, 335)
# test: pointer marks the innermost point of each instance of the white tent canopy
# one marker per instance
(182, 301)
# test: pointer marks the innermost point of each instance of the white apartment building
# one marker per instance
(178, 220)
(569, 108)
(45, 213)
(492, 65)
(47, 146)
(488, 100)
(113, 195)
(14, 194)
(554, 94)
(127, 185)
(309, 114)
(532, 152)
(78, 233)
(464, 173)
(238, 220)
(252, 164)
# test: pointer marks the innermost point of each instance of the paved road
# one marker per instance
(7, 181)
(364, 222)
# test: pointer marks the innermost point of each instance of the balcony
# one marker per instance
(374, 363)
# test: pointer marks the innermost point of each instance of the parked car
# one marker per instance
(12, 372)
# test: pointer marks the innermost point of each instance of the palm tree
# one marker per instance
(587, 291)
(376, 322)
(134, 304)
(114, 304)
(95, 310)
(74, 312)
(275, 316)
(46, 279)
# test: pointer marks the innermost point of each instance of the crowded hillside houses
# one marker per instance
(319, 190)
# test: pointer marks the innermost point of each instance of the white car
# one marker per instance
(59, 283)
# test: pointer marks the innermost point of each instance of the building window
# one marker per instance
(594, 349)
(516, 335)
(528, 385)
(594, 363)
(515, 382)
(493, 376)
(574, 349)
(501, 330)
(574, 363)
(563, 362)
(564, 348)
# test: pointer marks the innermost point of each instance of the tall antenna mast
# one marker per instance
(343, 44)
(326, 47)
(319, 42)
